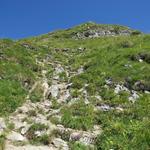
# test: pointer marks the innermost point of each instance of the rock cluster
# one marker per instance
(100, 32)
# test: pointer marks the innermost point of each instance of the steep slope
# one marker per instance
(87, 87)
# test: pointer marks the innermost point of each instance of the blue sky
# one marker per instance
(24, 18)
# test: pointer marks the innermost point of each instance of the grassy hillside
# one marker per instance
(106, 62)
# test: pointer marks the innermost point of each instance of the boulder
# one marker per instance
(75, 136)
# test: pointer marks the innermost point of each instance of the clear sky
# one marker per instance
(24, 18)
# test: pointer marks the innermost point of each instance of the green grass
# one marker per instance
(2, 142)
(12, 95)
(79, 146)
(37, 94)
(78, 116)
(126, 130)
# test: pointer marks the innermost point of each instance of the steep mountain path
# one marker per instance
(38, 114)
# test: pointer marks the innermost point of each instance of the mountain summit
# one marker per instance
(93, 30)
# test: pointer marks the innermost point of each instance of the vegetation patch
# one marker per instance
(2, 142)
(78, 116)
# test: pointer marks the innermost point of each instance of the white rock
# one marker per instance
(69, 85)
(73, 100)
(134, 96)
(60, 144)
(128, 65)
(14, 136)
(64, 96)
(98, 97)
(45, 87)
(108, 81)
(80, 70)
(46, 103)
(146, 92)
(86, 101)
(87, 138)
(44, 72)
(105, 107)
(118, 108)
(120, 88)
(41, 119)
(60, 128)
(54, 90)
(59, 69)
(2, 125)
(39, 133)
(18, 123)
(80, 48)
(86, 85)
(25, 129)
(140, 60)
(56, 77)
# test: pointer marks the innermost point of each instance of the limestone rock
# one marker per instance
(75, 136)
(120, 88)
(104, 107)
(134, 96)
(60, 144)
(54, 90)
(87, 138)
(2, 125)
(80, 70)
(16, 137)
(59, 69)
(25, 129)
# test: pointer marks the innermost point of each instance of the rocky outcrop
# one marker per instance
(101, 31)
(85, 137)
